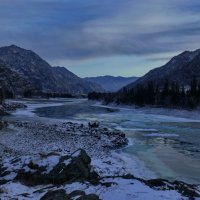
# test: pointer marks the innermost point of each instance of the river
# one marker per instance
(160, 141)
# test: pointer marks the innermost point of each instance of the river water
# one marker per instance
(167, 145)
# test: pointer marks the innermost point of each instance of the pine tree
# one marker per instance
(150, 93)
(2, 96)
(193, 87)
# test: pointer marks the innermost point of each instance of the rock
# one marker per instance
(13, 106)
(3, 111)
(5, 108)
(89, 197)
(56, 195)
(81, 154)
(187, 190)
(3, 181)
(77, 193)
(102, 137)
(93, 124)
(75, 167)
(3, 124)
(1, 191)
(61, 195)
(119, 142)
(156, 182)
(128, 176)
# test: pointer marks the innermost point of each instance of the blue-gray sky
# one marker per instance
(98, 37)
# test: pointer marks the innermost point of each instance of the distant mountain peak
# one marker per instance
(111, 83)
(180, 68)
(13, 47)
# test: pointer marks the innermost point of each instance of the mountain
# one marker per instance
(181, 68)
(174, 85)
(41, 75)
(111, 83)
(66, 78)
(12, 82)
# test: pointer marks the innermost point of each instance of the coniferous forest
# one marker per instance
(171, 94)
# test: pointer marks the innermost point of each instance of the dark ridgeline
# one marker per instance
(24, 73)
(112, 83)
(181, 68)
(176, 84)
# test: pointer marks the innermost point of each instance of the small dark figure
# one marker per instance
(93, 124)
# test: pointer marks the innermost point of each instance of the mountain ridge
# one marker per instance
(180, 68)
(111, 83)
(42, 75)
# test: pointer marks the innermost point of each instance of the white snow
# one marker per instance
(68, 161)
(48, 162)
(129, 189)
(76, 154)
(161, 135)
(121, 189)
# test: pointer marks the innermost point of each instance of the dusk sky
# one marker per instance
(102, 37)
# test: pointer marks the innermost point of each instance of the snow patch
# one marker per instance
(161, 135)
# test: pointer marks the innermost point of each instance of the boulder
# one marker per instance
(56, 195)
(61, 195)
(187, 190)
(57, 170)
(3, 111)
(13, 106)
(89, 197)
(3, 124)
(76, 193)
(93, 124)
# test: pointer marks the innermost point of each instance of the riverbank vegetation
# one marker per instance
(171, 94)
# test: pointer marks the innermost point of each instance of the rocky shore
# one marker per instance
(27, 138)
(65, 160)
(56, 177)
(6, 108)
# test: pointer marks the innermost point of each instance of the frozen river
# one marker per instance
(162, 143)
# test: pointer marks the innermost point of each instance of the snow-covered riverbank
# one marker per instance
(31, 149)
(42, 136)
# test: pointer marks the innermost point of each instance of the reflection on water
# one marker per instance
(71, 111)
(169, 146)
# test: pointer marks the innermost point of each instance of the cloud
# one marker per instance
(76, 30)
(147, 28)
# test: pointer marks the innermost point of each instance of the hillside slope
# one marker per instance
(12, 82)
(181, 68)
(41, 75)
